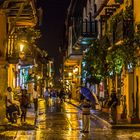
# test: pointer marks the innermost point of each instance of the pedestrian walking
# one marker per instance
(29, 91)
(61, 95)
(86, 116)
(113, 106)
(46, 97)
(24, 101)
(35, 100)
(54, 96)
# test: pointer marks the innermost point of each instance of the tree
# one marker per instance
(96, 65)
(28, 34)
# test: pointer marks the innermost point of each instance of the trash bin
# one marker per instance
(86, 116)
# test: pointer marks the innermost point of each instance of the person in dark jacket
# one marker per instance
(24, 101)
(61, 95)
(113, 106)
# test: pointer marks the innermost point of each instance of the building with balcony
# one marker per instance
(118, 21)
(114, 24)
(15, 15)
(15, 50)
(81, 30)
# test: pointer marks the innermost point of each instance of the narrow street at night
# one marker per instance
(62, 121)
(69, 69)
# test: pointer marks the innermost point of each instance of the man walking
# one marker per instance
(35, 100)
(46, 97)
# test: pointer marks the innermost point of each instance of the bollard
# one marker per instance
(86, 116)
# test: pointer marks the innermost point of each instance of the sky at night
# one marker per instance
(52, 28)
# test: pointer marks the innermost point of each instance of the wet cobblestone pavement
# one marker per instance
(62, 121)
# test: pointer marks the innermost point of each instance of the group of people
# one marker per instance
(21, 106)
(55, 94)
(24, 102)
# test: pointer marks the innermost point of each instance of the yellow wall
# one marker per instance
(3, 65)
(137, 10)
(3, 70)
(2, 31)
(137, 74)
(11, 75)
(137, 70)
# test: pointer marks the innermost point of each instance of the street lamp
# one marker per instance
(70, 74)
(21, 47)
(38, 77)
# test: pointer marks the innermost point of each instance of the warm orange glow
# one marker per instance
(21, 47)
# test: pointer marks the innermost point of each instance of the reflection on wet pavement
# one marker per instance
(62, 121)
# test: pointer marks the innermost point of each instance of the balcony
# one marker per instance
(81, 36)
(124, 29)
(85, 32)
(89, 29)
(21, 12)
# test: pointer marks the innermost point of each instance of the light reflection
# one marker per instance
(69, 116)
(72, 117)
(38, 135)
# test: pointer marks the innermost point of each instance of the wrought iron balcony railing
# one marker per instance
(89, 29)
(81, 35)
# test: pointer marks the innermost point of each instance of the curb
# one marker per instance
(94, 116)
(101, 120)
(126, 126)
(116, 126)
